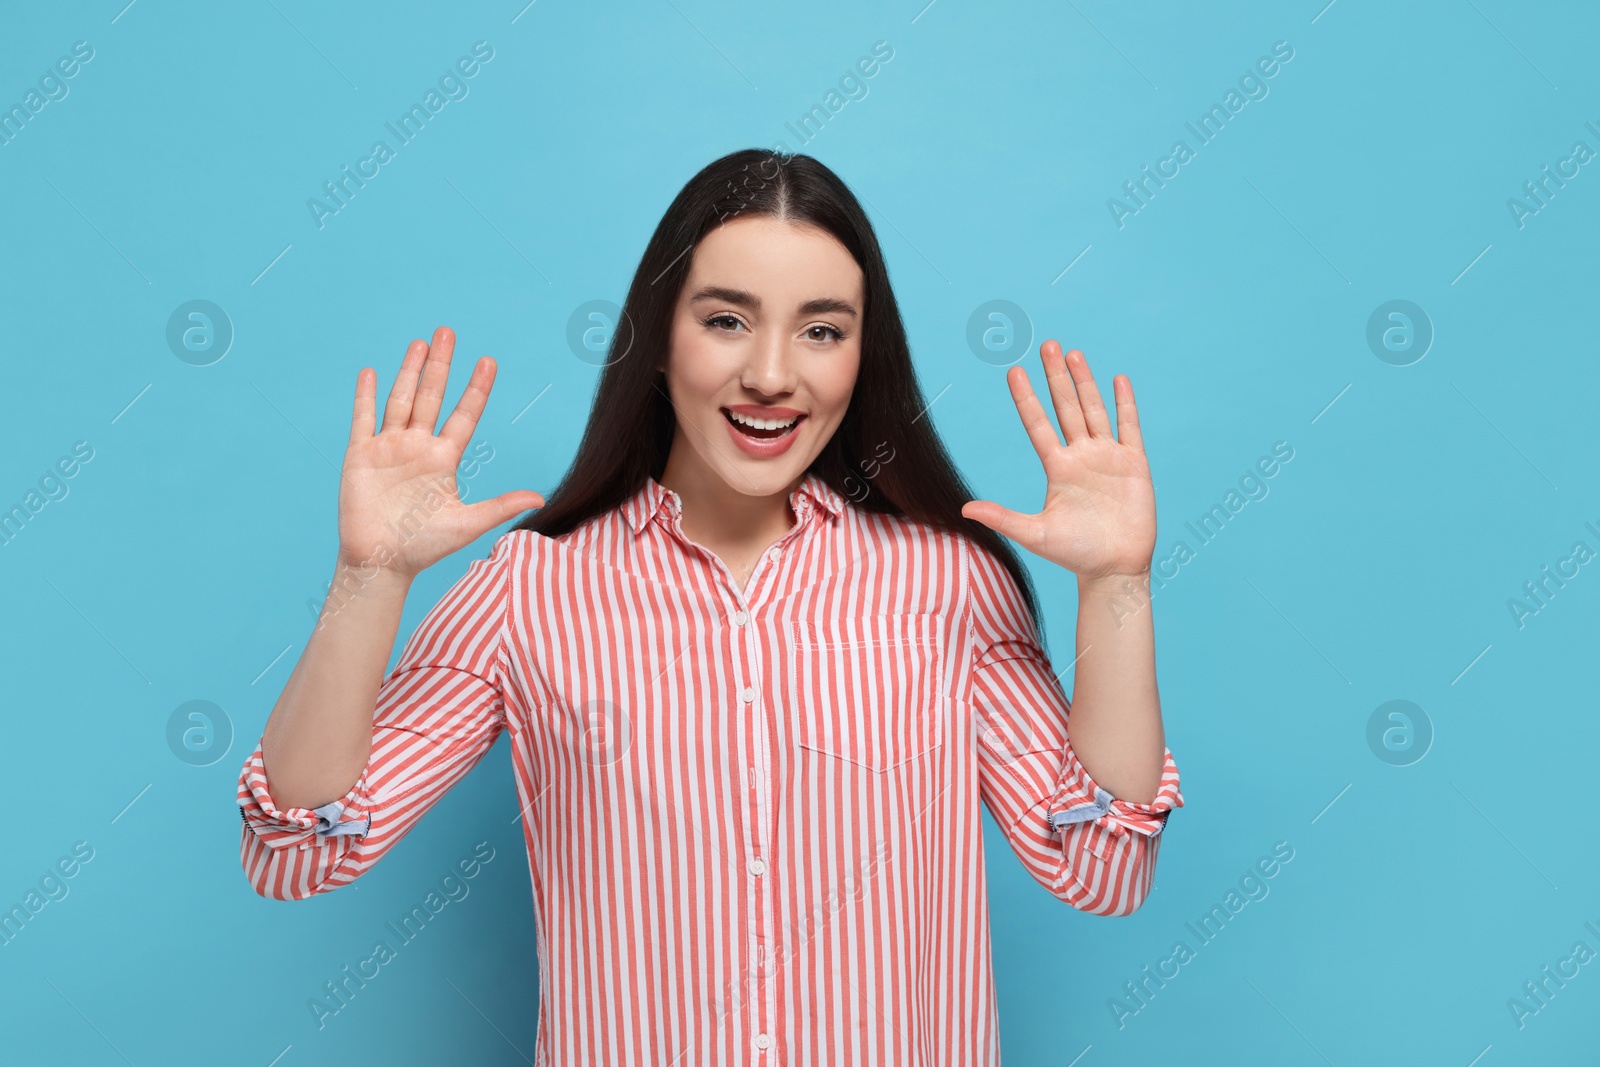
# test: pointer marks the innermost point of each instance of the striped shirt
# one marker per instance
(751, 814)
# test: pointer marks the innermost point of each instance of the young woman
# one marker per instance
(760, 657)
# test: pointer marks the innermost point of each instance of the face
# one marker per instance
(766, 342)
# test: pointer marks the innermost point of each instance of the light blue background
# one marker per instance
(1419, 499)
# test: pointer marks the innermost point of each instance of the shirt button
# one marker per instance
(748, 695)
(774, 553)
(740, 618)
(758, 866)
(762, 1041)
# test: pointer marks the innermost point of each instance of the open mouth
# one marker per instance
(763, 429)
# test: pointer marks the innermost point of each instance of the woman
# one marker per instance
(760, 656)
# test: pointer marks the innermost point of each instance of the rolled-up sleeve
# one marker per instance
(1087, 847)
(438, 712)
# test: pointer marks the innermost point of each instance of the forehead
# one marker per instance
(774, 257)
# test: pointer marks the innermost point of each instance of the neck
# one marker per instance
(715, 512)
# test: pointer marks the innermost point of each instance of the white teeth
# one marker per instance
(762, 424)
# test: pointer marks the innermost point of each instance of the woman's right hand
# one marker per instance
(399, 507)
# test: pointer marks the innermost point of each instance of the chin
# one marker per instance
(757, 479)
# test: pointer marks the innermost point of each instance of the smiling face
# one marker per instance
(766, 342)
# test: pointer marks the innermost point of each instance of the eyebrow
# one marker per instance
(820, 306)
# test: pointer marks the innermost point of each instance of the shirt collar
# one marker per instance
(653, 497)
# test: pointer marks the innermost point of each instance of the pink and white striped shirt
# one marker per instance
(751, 815)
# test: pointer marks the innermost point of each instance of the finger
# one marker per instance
(1127, 413)
(463, 421)
(365, 416)
(1062, 391)
(1034, 419)
(1023, 529)
(397, 412)
(1094, 408)
(487, 514)
(435, 376)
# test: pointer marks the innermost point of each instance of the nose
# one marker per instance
(770, 369)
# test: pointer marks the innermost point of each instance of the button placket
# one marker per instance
(762, 961)
(753, 724)
(752, 732)
(749, 668)
(768, 559)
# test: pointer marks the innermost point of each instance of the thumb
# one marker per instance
(487, 514)
(1001, 520)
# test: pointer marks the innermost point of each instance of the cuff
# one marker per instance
(349, 816)
(1078, 799)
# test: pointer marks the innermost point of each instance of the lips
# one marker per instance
(762, 428)
(772, 432)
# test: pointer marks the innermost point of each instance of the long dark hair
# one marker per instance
(631, 422)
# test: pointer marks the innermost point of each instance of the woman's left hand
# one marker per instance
(1099, 515)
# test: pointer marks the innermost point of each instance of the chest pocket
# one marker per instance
(867, 689)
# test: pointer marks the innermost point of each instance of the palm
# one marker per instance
(408, 473)
(1099, 513)
(399, 508)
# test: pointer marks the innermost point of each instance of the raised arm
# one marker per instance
(437, 713)
(1086, 845)
(1099, 522)
(342, 738)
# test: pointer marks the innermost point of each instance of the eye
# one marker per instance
(838, 334)
(720, 317)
